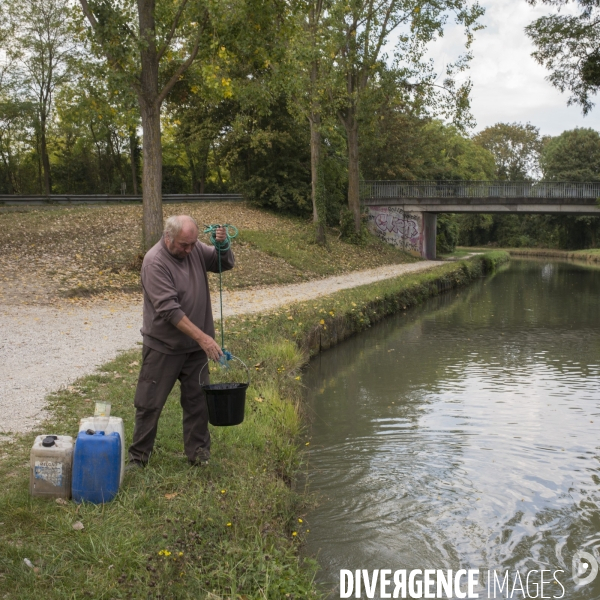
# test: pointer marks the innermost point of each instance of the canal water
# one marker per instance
(464, 434)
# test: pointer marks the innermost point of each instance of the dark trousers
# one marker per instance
(157, 378)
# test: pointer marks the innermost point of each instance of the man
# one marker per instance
(178, 332)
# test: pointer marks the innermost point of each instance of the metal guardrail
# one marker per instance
(15, 200)
(478, 189)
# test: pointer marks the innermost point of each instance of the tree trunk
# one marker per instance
(99, 157)
(317, 191)
(45, 158)
(115, 155)
(353, 168)
(39, 161)
(217, 164)
(150, 111)
(193, 174)
(151, 175)
(149, 99)
(132, 153)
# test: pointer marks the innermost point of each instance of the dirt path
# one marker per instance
(44, 348)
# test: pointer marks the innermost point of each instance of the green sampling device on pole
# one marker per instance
(231, 233)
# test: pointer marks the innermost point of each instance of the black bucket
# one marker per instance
(226, 401)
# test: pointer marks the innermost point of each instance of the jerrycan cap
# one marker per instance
(48, 441)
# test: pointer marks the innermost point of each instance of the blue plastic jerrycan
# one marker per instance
(96, 466)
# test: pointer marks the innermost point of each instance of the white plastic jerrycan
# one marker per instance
(51, 460)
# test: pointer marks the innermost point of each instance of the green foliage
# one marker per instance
(269, 160)
(516, 149)
(348, 229)
(403, 146)
(18, 169)
(568, 46)
(475, 229)
(448, 231)
(572, 156)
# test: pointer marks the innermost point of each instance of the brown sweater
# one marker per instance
(174, 288)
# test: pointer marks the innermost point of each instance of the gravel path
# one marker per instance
(44, 348)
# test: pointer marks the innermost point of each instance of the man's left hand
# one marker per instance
(221, 234)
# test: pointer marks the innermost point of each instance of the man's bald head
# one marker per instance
(181, 235)
(174, 225)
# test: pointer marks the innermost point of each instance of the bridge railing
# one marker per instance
(478, 189)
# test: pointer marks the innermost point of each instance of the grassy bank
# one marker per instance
(590, 255)
(230, 530)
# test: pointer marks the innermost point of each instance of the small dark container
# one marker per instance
(226, 403)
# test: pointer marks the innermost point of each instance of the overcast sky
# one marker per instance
(508, 85)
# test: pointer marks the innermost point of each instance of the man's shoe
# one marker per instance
(201, 458)
(133, 465)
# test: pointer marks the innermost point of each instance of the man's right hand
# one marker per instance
(212, 349)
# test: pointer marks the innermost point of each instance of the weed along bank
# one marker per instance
(232, 529)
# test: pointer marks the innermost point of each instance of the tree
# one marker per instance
(362, 29)
(569, 47)
(572, 156)
(306, 61)
(268, 157)
(403, 146)
(150, 46)
(44, 47)
(516, 149)
(92, 137)
(17, 169)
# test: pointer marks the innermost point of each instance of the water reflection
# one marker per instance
(464, 434)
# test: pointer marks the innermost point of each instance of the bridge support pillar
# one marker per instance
(429, 234)
(412, 231)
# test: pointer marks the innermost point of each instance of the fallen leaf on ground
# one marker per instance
(171, 496)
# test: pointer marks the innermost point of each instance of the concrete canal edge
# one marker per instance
(371, 303)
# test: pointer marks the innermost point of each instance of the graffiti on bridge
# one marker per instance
(393, 225)
(408, 228)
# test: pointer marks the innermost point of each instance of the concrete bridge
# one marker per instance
(404, 213)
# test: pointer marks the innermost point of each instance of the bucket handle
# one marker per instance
(233, 357)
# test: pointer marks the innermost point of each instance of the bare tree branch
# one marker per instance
(173, 28)
(89, 14)
(183, 67)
